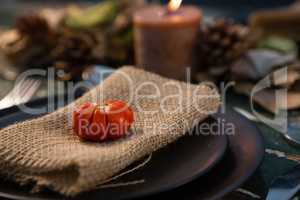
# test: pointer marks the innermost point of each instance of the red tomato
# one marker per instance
(98, 128)
(119, 117)
(82, 118)
(95, 123)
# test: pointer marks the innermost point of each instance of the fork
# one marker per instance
(21, 93)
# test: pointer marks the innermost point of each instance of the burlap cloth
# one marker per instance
(46, 151)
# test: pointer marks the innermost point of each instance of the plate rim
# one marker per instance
(258, 163)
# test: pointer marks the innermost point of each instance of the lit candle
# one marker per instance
(165, 38)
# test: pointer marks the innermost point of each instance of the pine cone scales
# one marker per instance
(74, 47)
(221, 42)
(29, 44)
(72, 53)
(33, 26)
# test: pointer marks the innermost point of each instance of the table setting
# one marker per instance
(149, 99)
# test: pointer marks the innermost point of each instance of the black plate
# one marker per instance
(244, 155)
(170, 167)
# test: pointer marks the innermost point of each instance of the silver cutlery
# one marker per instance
(284, 187)
(21, 93)
(292, 133)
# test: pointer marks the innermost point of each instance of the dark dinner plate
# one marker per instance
(244, 155)
(177, 164)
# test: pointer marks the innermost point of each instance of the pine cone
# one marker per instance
(35, 27)
(74, 46)
(222, 42)
(73, 52)
(29, 43)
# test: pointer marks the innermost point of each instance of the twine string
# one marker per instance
(103, 185)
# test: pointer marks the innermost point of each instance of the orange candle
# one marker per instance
(165, 38)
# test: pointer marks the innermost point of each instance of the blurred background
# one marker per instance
(238, 9)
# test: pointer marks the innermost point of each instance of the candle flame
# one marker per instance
(174, 5)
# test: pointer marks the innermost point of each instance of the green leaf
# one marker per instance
(281, 44)
(98, 15)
